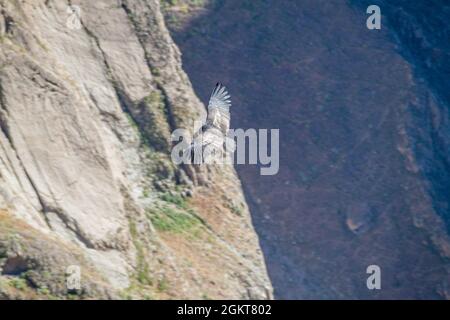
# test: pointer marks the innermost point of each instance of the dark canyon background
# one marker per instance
(364, 136)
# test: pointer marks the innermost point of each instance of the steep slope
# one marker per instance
(86, 112)
(364, 130)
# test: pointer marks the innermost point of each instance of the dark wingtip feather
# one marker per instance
(217, 88)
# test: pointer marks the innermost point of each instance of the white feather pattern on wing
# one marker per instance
(214, 132)
(219, 99)
(219, 109)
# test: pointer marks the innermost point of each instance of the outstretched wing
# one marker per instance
(219, 99)
(219, 109)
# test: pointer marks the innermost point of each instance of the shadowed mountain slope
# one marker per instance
(364, 136)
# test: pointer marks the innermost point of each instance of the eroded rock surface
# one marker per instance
(86, 113)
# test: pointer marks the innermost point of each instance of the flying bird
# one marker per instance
(211, 138)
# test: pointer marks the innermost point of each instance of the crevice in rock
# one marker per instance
(159, 86)
(97, 43)
(8, 22)
(168, 108)
(14, 266)
(170, 117)
(125, 102)
(70, 225)
(45, 208)
(5, 130)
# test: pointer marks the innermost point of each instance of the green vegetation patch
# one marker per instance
(175, 199)
(173, 214)
(173, 220)
(142, 268)
(18, 283)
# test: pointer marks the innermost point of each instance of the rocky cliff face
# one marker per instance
(86, 179)
(364, 136)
